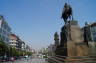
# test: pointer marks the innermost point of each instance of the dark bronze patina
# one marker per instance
(67, 13)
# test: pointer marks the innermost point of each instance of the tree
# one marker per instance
(3, 48)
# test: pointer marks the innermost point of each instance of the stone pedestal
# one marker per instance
(92, 48)
(77, 49)
(71, 43)
(76, 46)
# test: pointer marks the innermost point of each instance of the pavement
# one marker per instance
(33, 60)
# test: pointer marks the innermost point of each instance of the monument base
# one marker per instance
(77, 49)
(61, 51)
(76, 46)
(71, 43)
(92, 48)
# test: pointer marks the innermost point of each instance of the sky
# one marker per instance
(36, 21)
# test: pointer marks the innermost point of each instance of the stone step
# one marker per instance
(63, 57)
(89, 59)
(60, 59)
(53, 60)
(89, 62)
(92, 56)
(85, 59)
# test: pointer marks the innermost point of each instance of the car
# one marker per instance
(4, 59)
(44, 56)
(40, 56)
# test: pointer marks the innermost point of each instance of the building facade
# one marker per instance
(23, 46)
(5, 30)
(13, 41)
(16, 42)
(28, 49)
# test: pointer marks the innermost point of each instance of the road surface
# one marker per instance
(34, 60)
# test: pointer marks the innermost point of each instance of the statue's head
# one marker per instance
(86, 23)
(65, 4)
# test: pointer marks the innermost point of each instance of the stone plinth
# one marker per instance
(71, 49)
(62, 51)
(74, 32)
(76, 46)
(71, 43)
(92, 48)
(77, 49)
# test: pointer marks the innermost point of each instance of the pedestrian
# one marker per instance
(12, 59)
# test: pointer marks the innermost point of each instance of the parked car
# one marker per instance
(44, 56)
(3, 59)
(40, 56)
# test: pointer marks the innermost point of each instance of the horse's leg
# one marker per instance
(69, 17)
(72, 16)
(65, 21)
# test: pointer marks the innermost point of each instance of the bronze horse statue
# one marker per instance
(67, 13)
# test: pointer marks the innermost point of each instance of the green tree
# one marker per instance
(13, 51)
(3, 48)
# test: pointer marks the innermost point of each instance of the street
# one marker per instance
(34, 60)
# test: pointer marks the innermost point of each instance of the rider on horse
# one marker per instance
(67, 12)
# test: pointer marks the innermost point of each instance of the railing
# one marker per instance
(73, 59)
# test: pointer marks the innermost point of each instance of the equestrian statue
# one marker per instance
(67, 13)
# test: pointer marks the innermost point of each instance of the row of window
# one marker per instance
(13, 43)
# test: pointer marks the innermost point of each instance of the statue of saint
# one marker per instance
(86, 33)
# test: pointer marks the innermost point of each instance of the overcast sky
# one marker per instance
(36, 21)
